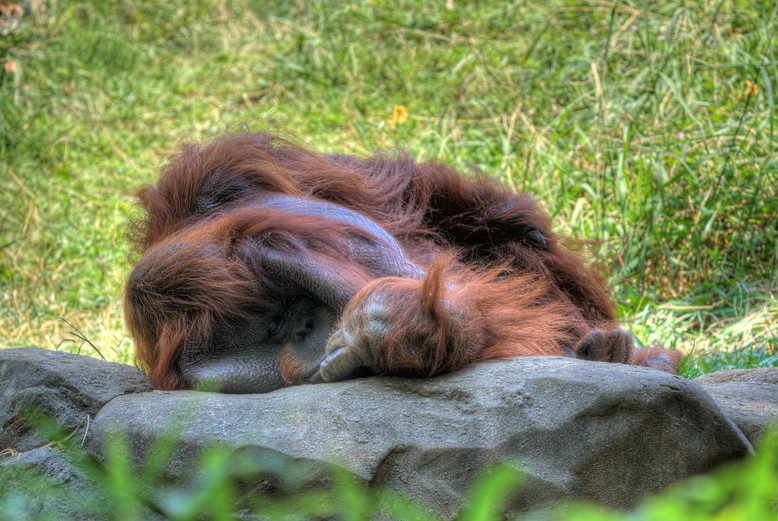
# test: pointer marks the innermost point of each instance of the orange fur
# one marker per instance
(485, 292)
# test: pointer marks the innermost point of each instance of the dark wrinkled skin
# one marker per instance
(305, 320)
(248, 360)
(248, 357)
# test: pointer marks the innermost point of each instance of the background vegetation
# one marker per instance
(648, 126)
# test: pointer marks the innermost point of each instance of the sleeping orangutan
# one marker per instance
(263, 264)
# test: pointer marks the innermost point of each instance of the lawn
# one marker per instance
(647, 128)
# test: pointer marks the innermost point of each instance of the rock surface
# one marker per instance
(43, 483)
(748, 396)
(604, 432)
(65, 387)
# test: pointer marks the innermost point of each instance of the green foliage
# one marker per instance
(123, 490)
(647, 126)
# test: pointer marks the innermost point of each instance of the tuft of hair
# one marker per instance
(456, 315)
(177, 293)
(657, 358)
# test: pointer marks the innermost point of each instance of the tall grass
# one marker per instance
(647, 126)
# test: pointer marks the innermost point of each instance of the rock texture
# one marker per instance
(65, 387)
(44, 484)
(604, 432)
(748, 396)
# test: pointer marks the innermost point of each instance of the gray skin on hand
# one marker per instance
(351, 346)
(615, 345)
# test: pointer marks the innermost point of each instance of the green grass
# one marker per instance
(220, 488)
(647, 126)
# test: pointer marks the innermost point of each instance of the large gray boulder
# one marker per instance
(66, 388)
(608, 433)
(604, 432)
(748, 396)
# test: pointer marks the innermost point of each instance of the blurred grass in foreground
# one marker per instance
(647, 126)
(227, 486)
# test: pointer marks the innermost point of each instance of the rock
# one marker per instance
(748, 396)
(64, 387)
(53, 483)
(42, 483)
(609, 433)
(604, 432)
